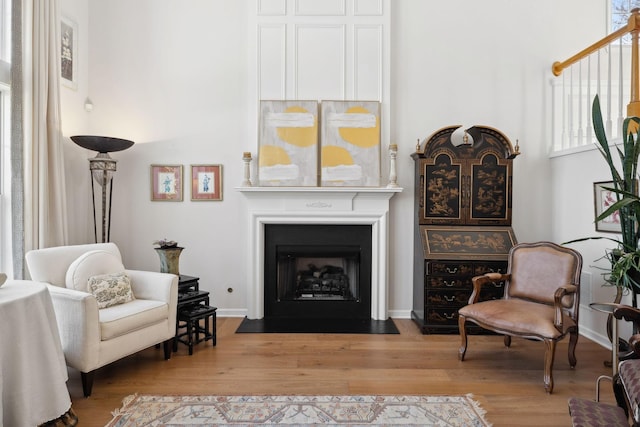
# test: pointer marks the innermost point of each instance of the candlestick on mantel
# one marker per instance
(393, 176)
(246, 158)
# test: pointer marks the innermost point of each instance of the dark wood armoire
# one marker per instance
(463, 188)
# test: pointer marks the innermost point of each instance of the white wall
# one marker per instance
(484, 63)
(172, 77)
(75, 121)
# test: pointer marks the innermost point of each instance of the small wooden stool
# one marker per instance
(191, 317)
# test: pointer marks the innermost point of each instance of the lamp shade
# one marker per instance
(102, 168)
(101, 144)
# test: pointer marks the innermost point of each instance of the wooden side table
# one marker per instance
(193, 306)
(191, 318)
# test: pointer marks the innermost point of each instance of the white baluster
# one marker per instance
(621, 112)
(588, 101)
(609, 76)
(580, 129)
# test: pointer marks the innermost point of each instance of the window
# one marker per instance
(620, 11)
(5, 29)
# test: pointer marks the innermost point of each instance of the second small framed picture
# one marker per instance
(604, 198)
(166, 183)
(206, 182)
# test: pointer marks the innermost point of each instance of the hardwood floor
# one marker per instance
(506, 381)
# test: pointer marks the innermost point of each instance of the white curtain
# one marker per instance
(43, 215)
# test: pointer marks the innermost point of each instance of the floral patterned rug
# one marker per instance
(145, 410)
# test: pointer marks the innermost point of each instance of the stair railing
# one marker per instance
(603, 65)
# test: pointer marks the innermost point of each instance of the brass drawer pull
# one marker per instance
(449, 284)
(450, 316)
(449, 299)
(450, 271)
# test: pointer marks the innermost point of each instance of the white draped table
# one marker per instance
(33, 372)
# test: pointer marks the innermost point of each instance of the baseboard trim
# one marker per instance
(595, 337)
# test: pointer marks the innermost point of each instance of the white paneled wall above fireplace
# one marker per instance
(320, 50)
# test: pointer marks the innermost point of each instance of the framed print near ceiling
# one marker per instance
(69, 53)
(206, 182)
(350, 147)
(288, 143)
(166, 183)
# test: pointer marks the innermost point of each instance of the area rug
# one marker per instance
(146, 410)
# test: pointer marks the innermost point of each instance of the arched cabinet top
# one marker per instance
(481, 139)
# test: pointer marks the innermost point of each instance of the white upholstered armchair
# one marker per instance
(93, 337)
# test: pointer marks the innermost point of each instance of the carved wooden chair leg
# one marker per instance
(507, 340)
(549, 355)
(463, 338)
(573, 342)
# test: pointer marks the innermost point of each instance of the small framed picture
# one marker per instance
(604, 198)
(166, 183)
(69, 52)
(206, 182)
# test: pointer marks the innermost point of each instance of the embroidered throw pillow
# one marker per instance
(111, 289)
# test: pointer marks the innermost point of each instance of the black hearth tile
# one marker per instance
(318, 326)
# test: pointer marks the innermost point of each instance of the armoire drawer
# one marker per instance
(448, 298)
(449, 268)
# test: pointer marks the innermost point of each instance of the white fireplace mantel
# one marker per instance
(319, 205)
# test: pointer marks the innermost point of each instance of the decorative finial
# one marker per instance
(418, 146)
(516, 151)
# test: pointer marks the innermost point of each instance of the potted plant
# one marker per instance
(625, 257)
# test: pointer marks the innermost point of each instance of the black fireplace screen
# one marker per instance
(319, 271)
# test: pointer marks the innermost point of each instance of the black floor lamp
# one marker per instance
(102, 168)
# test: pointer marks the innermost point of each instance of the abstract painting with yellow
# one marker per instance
(288, 143)
(350, 135)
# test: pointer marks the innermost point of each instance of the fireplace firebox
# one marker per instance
(317, 271)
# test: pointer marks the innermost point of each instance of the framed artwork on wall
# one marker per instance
(206, 182)
(69, 52)
(350, 148)
(604, 198)
(166, 183)
(288, 143)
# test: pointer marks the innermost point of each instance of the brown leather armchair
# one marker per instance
(541, 298)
